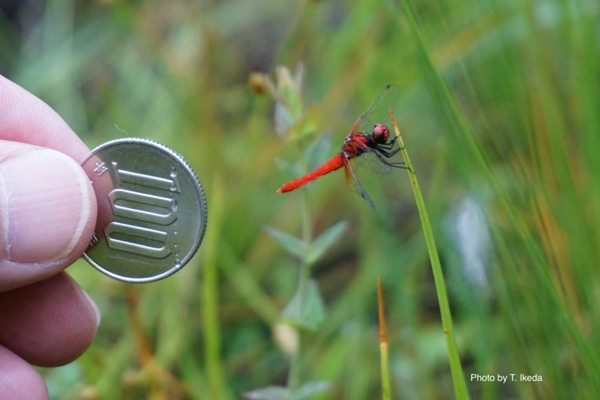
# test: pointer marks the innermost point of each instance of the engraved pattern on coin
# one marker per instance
(151, 210)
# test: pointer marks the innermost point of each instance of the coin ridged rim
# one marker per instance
(199, 190)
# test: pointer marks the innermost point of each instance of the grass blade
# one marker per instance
(460, 387)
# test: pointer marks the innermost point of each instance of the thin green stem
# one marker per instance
(210, 297)
(386, 391)
(307, 239)
(294, 378)
(460, 387)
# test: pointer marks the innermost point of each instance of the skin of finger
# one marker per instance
(27, 119)
(49, 323)
(17, 274)
(18, 379)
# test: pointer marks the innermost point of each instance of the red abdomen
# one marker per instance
(335, 163)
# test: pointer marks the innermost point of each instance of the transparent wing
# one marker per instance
(372, 161)
(379, 111)
(354, 184)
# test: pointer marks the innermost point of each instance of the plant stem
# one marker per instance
(460, 387)
(386, 392)
(304, 274)
(210, 296)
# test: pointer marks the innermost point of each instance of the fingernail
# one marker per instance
(44, 206)
(94, 306)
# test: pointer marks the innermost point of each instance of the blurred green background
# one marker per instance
(500, 111)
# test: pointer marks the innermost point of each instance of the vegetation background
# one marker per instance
(500, 112)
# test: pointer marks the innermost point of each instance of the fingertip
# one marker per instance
(47, 206)
(94, 307)
(47, 213)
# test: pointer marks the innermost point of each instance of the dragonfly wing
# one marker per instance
(372, 161)
(379, 111)
(354, 184)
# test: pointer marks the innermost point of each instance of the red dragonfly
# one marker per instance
(366, 146)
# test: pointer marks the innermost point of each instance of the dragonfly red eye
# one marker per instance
(380, 133)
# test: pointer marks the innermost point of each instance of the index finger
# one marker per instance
(47, 204)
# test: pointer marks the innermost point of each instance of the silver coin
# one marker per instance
(152, 210)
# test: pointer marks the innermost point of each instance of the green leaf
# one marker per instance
(287, 167)
(290, 89)
(311, 316)
(318, 152)
(305, 125)
(325, 241)
(283, 120)
(310, 389)
(268, 393)
(291, 243)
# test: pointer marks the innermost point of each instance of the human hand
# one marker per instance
(47, 216)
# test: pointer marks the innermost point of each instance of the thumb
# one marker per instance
(47, 213)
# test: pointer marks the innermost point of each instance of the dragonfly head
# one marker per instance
(380, 134)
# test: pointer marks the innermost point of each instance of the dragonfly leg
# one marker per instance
(386, 162)
(387, 146)
(401, 165)
(387, 153)
(391, 144)
(396, 164)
